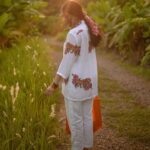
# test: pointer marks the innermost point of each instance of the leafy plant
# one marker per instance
(19, 18)
(146, 59)
(126, 24)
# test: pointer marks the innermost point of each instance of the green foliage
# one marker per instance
(27, 116)
(146, 58)
(98, 10)
(61, 36)
(6, 3)
(19, 18)
(3, 20)
(127, 26)
(51, 25)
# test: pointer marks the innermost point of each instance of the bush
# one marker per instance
(18, 19)
(127, 26)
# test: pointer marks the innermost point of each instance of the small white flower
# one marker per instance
(4, 87)
(32, 100)
(14, 119)
(44, 73)
(12, 93)
(34, 72)
(52, 114)
(28, 47)
(23, 129)
(14, 71)
(17, 89)
(5, 115)
(51, 137)
(31, 143)
(33, 57)
(24, 84)
(18, 135)
(30, 94)
(45, 85)
(35, 53)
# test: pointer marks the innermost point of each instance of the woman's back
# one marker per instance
(82, 77)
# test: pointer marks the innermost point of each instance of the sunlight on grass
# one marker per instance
(27, 117)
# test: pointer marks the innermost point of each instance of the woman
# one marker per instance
(78, 73)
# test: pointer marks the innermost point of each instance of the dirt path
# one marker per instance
(107, 139)
(138, 87)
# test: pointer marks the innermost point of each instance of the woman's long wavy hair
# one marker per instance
(75, 9)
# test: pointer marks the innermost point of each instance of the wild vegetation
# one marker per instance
(19, 19)
(127, 27)
(22, 19)
(27, 116)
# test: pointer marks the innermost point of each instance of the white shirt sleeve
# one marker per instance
(69, 57)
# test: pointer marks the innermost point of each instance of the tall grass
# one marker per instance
(27, 117)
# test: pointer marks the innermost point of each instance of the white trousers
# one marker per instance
(79, 115)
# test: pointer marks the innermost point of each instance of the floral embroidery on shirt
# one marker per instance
(79, 31)
(82, 83)
(70, 48)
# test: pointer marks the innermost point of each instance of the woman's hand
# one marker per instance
(53, 86)
(49, 91)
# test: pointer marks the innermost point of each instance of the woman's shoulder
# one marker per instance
(78, 29)
(72, 31)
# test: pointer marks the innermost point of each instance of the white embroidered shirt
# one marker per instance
(79, 65)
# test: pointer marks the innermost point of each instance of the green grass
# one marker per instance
(61, 36)
(26, 117)
(137, 70)
(122, 113)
